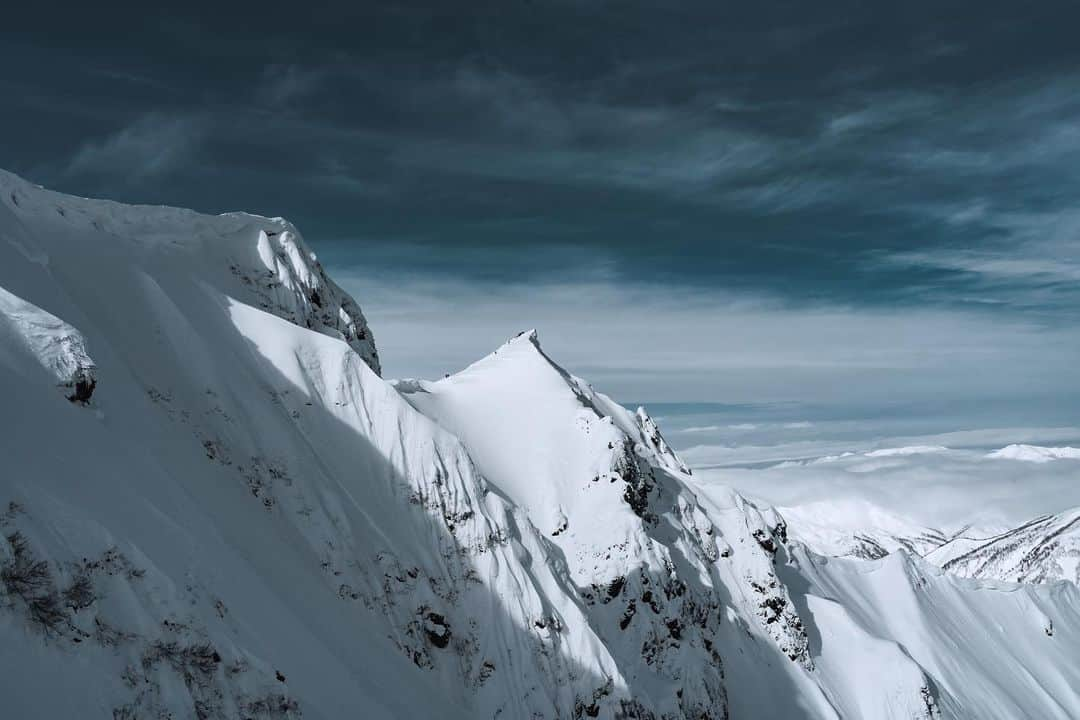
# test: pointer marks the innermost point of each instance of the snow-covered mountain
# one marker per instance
(1035, 453)
(857, 528)
(213, 506)
(1046, 549)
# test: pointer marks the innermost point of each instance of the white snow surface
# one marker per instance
(1035, 453)
(984, 649)
(857, 528)
(907, 450)
(246, 521)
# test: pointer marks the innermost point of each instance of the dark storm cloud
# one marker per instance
(861, 155)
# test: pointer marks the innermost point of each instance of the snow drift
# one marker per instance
(246, 521)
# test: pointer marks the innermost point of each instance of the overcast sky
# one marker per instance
(743, 202)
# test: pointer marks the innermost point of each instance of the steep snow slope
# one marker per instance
(241, 519)
(985, 649)
(1045, 549)
(869, 650)
(244, 496)
(167, 547)
(665, 578)
(252, 522)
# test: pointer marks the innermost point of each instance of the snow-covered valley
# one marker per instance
(214, 506)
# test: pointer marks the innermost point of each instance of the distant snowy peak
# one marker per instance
(1035, 453)
(1045, 549)
(907, 450)
(258, 260)
(856, 528)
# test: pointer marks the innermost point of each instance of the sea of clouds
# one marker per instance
(992, 478)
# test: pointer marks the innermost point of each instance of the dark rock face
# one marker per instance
(639, 480)
(767, 544)
(82, 387)
(437, 629)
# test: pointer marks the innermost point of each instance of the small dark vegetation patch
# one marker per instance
(25, 577)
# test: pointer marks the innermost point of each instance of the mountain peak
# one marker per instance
(525, 336)
(518, 360)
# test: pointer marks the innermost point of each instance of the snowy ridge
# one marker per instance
(261, 261)
(856, 528)
(246, 521)
(1046, 549)
(650, 434)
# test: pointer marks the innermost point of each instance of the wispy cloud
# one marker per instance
(154, 145)
(931, 486)
(549, 134)
(995, 265)
(860, 161)
(678, 343)
(879, 111)
(679, 167)
(284, 84)
(1032, 256)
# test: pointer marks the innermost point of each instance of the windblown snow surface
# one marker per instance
(238, 518)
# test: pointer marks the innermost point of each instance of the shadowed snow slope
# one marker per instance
(245, 521)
